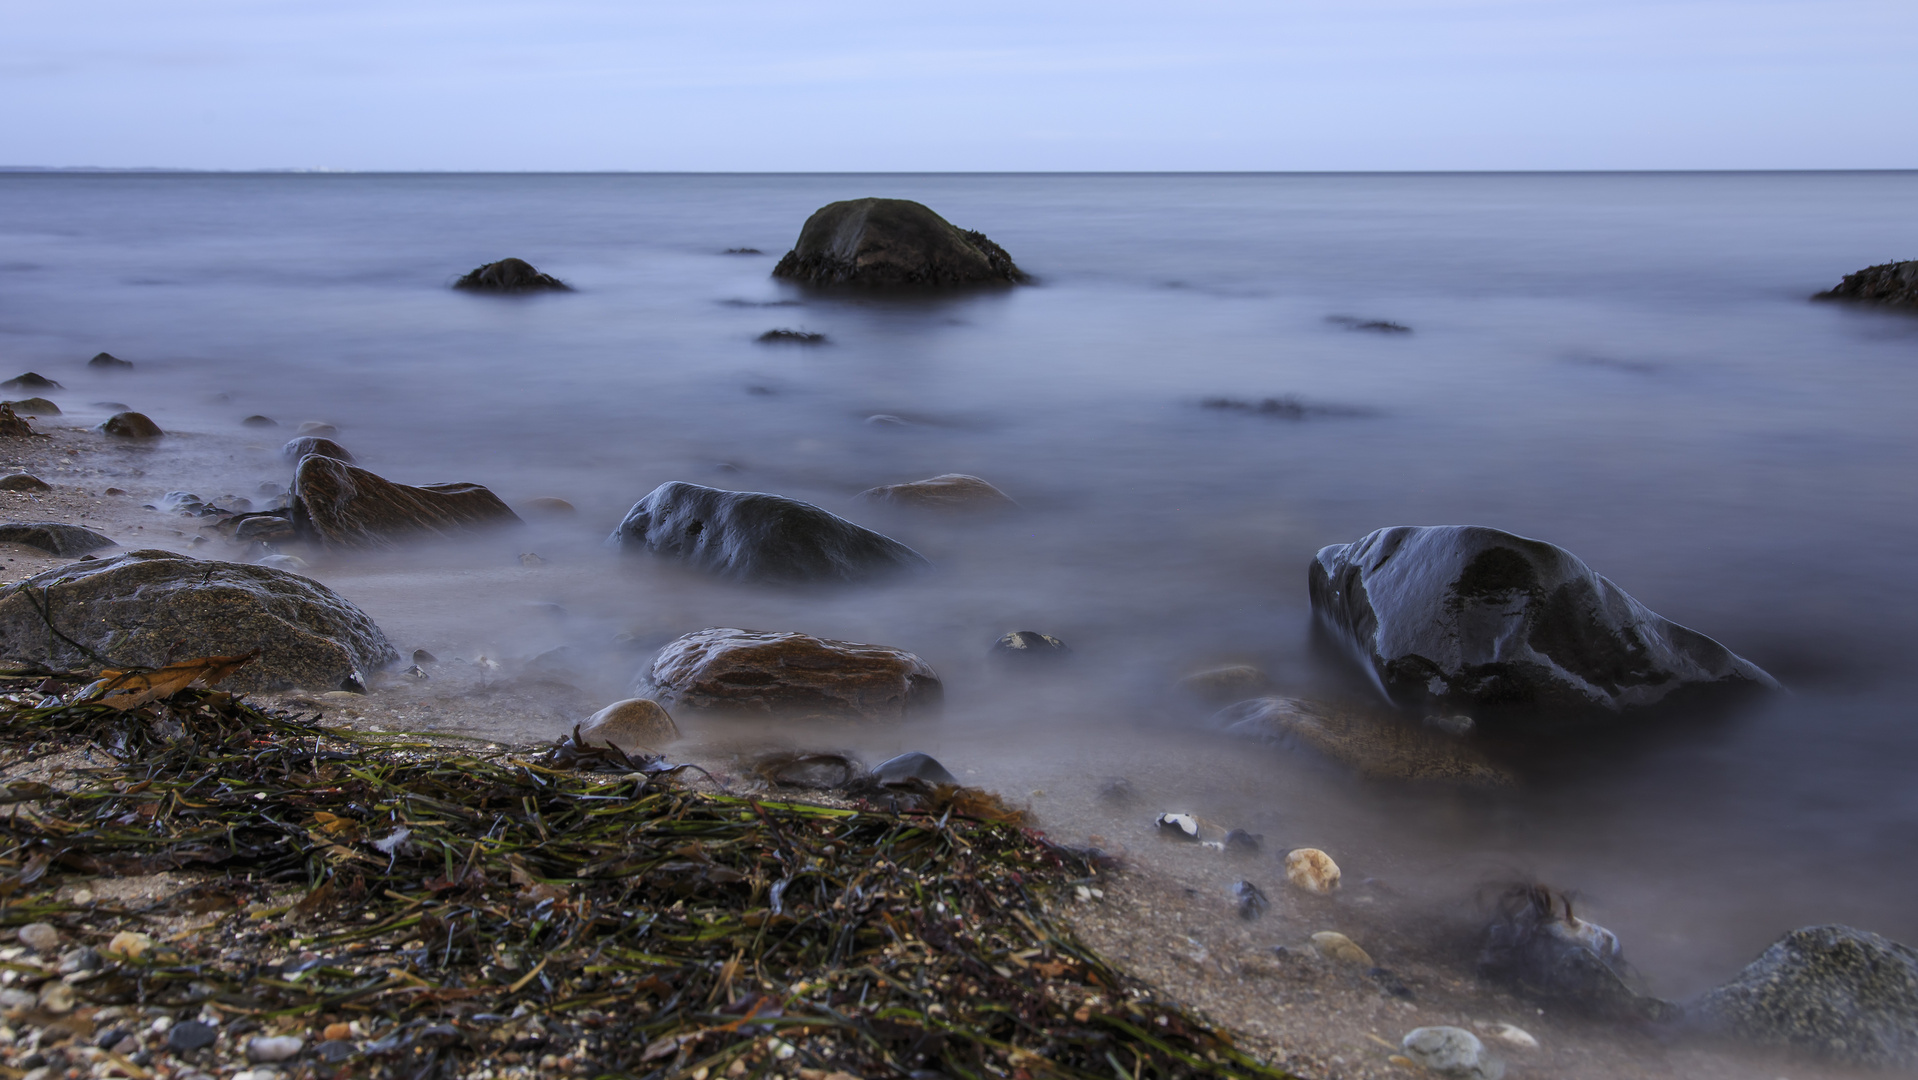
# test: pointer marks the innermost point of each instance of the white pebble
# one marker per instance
(1509, 1033)
(1312, 870)
(274, 1047)
(40, 937)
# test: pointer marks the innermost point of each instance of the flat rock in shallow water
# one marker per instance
(1890, 284)
(751, 536)
(773, 672)
(148, 608)
(339, 505)
(1833, 991)
(35, 406)
(131, 425)
(1376, 744)
(510, 276)
(1510, 630)
(53, 537)
(950, 491)
(892, 242)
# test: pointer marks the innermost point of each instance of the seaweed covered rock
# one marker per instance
(1833, 991)
(1517, 632)
(1890, 284)
(147, 608)
(342, 506)
(55, 538)
(296, 449)
(949, 491)
(752, 536)
(892, 242)
(1536, 944)
(510, 276)
(790, 673)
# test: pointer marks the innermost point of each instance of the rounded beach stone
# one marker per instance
(343, 506)
(258, 421)
(35, 406)
(950, 491)
(40, 937)
(633, 724)
(754, 536)
(1451, 1052)
(55, 538)
(131, 425)
(509, 276)
(912, 765)
(1336, 946)
(1312, 870)
(267, 1048)
(783, 672)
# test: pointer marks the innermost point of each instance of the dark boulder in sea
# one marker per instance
(892, 242)
(258, 421)
(792, 674)
(109, 362)
(149, 608)
(1831, 991)
(751, 536)
(131, 425)
(1518, 633)
(35, 406)
(1890, 285)
(299, 448)
(32, 380)
(340, 506)
(1025, 650)
(55, 538)
(510, 276)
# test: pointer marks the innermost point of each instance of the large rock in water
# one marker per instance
(892, 242)
(1509, 629)
(789, 673)
(1830, 990)
(147, 608)
(1891, 284)
(751, 536)
(341, 505)
(510, 276)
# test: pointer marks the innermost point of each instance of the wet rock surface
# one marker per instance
(23, 482)
(35, 406)
(912, 766)
(751, 536)
(340, 505)
(949, 491)
(131, 425)
(1833, 991)
(633, 724)
(1375, 744)
(510, 276)
(297, 449)
(892, 242)
(66, 541)
(1889, 284)
(1509, 629)
(1537, 945)
(1028, 649)
(28, 381)
(148, 608)
(794, 674)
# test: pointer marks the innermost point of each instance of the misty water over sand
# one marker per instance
(1625, 365)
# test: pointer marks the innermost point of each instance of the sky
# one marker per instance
(980, 85)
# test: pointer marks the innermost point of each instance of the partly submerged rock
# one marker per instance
(892, 242)
(340, 505)
(109, 362)
(1235, 682)
(23, 482)
(259, 421)
(949, 491)
(510, 276)
(1512, 630)
(1451, 1052)
(633, 724)
(1026, 650)
(751, 536)
(1889, 284)
(131, 425)
(1378, 744)
(912, 766)
(35, 406)
(1536, 944)
(1833, 991)
(147, 608)
(56, 538)
(31, 380)
(791, 673)
(11, 424)
(1337, 947)
(296, 449)
(547, 506)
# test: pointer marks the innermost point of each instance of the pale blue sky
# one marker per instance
(861, 85)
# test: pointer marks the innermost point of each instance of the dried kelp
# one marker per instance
(406, 908)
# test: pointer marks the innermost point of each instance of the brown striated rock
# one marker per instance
(35, 406)
(892, 242)
(950, 491)
(23, 482)
(131, 425)
(11, 424)
(146, 608)
(784, 672)
(340, 505)
(633, 724)
(298, 448)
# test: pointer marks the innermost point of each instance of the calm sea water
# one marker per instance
(1625, 365)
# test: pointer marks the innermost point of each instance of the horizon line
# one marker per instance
(325, 171)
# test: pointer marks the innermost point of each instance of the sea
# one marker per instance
(1627, 365)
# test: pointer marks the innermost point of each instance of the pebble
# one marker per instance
(1312, 870)
(1251, 900)
(1336, 946)
(189, 1035)
(40, 937)
(1510, 1034)
(274, 1047)
(129, 944)
(336, 1031)
(636, 723)
(57, 998)
(1452, 1052)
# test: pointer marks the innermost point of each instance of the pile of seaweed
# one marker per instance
(388, 906)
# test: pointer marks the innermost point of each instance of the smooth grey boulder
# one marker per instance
(149, 608)
(1833, 991)
(1889, 284)
(892, 242)
(1515, 631)
(752, 536)
(53, 537)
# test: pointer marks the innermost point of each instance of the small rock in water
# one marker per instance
(1834, 991)
(1241, 842)
(820, 771)
(109, 362)
(1029, 648)
(1390, 983)
(510, 275)
(1226, 684)
(274, 1047)
(1178, 826)
(1252, 902)
(546, 506)
(23, 482)
(531, 558)
(131, 425)
(30, 381)
(1509, 1034)
(1453, 724)
(949, 491)
(35, 406)
(1336, 946)
(1312, 870)
(40, 937)
(119, 493)
(633, 724)
(11, 425)
(785, 336)
(1537, 944)
(1454, 1053)
(1383, 326)
(421, 656)
(911, 766)
(754, 536)
(787, 673)
(189, 1035)
(113, 406)
(266, 528)
(258, 421)
(317, 429)
(55, 538)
